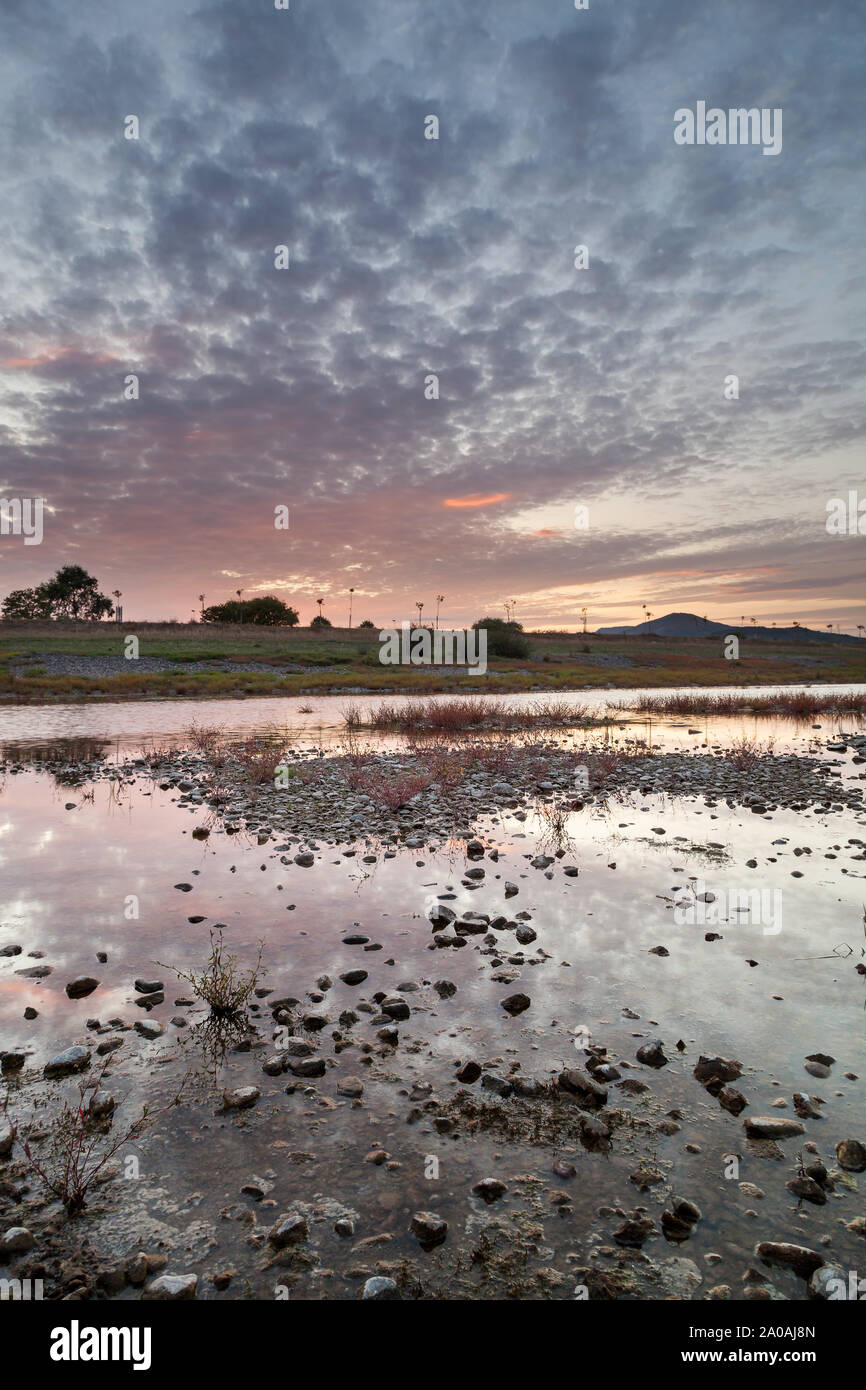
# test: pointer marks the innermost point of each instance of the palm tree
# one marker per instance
(239, 592)
(351, 592)
(861, 629)
(753, 621)
(440, 598)
(201, 603)
(583, 615)
(117, 595)
(320, 601)
(419, 606)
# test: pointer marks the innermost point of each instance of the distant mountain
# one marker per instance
(690, 625)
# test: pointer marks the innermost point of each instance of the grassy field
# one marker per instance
(341, 660)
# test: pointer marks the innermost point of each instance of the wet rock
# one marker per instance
(305, 860)
(714, 1072)
(786, 1256)
(242, 1098)
(16, 1240)
(468, 1073)
(12, 1062)
(577, 1082)
(7, 1136)
(490, 1189)
(395, 1007)
(516, 1004)
(81, 986)
(344, 1227)
(353, 977)
(446, 989)
(149, 1028)
(525, 935)
(806, 1189)
(768, 1127)
(652, 1055)
(429, 1229)
(732, 1100)
(440, 916)
(563, 1169)
(804, 1107)
(497, 1084)
(634, 1231)
(149, 986)
(351, 1086)
(291, 1229)
(10, 951)
(74, 1059)
(380, 1289)
(308, 1066)
(851, 1155)
(35, 972)
(172, 1287)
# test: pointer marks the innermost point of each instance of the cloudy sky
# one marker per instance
(559, 387)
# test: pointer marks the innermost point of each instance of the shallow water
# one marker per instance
(68, 876)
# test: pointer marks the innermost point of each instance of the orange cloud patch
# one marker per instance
(477, 499)
(547, 531)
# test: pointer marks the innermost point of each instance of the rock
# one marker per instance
(81, 986)
(380, 1288)
(7, 1136)
(395, 1007)
(516, 1004)
(353, 977)
(579, 1083)
(308, 1066)
(429, 1230)
(634, 1231)
(563, 1169)
(497, 1084)
(440, 916)
(713, 1072)
(149, 986)
(16, 1240)
(446, 989)
(149, 1028)
(305, 860)
(74, 1059)
(851, 1155)
(490, 1189)
(351, 1086)
(10, 951)
(806, 1189)
(767, 1127)
(172, 1287)
(796, 1257)
(242, 1098)
(344, 1227)
(525, 935)
(291, 1229)
(468, 1073)
(652, 1055)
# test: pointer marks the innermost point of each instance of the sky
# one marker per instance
(579, 447)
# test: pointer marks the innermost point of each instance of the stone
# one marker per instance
(81, 986)
(516, 1004)
(580, 1084)
(851, 1155)
(351, 1086)
(786, 1256)
(242, 1098)
(172, 1287)
(16, 1240)
(768, 1127)
(380, 1289)
(490, 1189)
(291, 1229)
(74, 1059)
(429, 1229)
